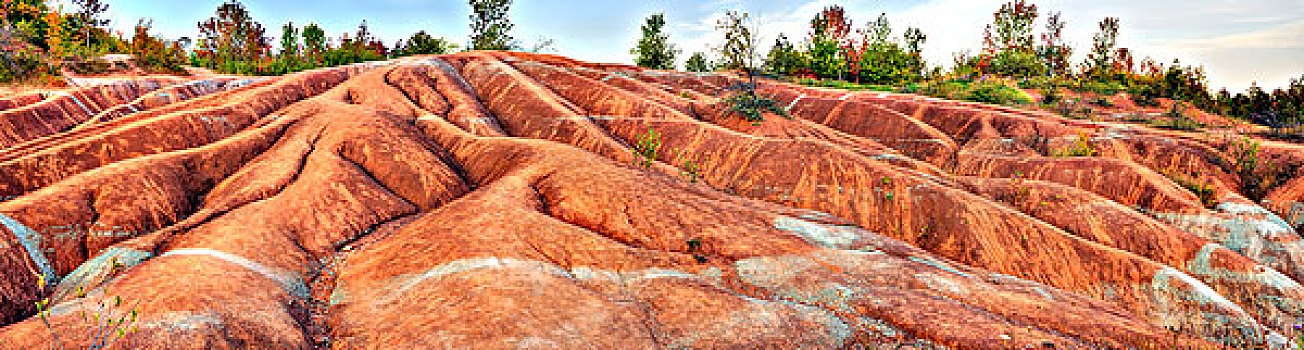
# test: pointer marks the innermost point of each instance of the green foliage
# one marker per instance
(154, 54)
(784, 58)
(1100, 61)
(646, 148)
(1081, 147)
(232, 35)
(1054, 52)
(1258, 176)
(1051, 96)
(25, 68)
(424, 44)
(692, 166)
(1011, 28)
(1203, 190)
(738, 51)
(698, 63)
(980, 91)
(745, 102)
(314, 39)
(654, 49)
(1018, 63)
(490, 26)
(289, 40)
(824, 54)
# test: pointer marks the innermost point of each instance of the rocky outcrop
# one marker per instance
(493, 200)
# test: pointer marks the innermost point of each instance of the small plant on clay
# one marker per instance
(694, 247)
(1202, 189)
(106, 327)
(692, 168)
(1081, 147)
(1258, 176)
(646, 148)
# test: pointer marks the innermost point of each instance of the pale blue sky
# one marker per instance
(1238, 41)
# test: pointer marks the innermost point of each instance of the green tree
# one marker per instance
(783, 57)
(1053, 50)
(828, 36)
(422, 43)
(739, 52)
(232, 35)
(739, 48)
(289, 40)
(88, 15)
(654, 50)
(697, 63)
(879, 59)
(1008, 41)
(1099, 62)
(1012, 26)
(314, 40)
(490, 25)
(27, 21)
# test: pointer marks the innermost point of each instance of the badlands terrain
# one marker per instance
(500, 200)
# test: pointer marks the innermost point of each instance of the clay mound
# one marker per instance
(492, 200)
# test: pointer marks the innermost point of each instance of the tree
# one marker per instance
(697, 63)
(364, 40)
(654, 50)
(232, 35)
(783, 57)
(1008, 42)
(877, 58)
(490, 25)
(155, 54)
(422, 43)
(1103, 45)
(88, 14)
(289, 40)
(915, 40)
(1053, 50)
(739, 47)
(739, 52)
(829, 31)
(1012, 26)
(314, 40)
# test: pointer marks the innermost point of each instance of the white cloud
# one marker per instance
(1286, 36)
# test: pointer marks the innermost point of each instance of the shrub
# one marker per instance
(1051, 96)
(692, 168)
(1258, 176)
(750, 105)
(1081, 147)
(1201, 189)
(997, 94)
(109, 328)
(1018, 63)
(646, 147)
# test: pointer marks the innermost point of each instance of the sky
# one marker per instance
(1238, 42)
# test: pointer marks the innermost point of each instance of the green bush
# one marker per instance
(998, 94)
(24, 67)
(1081, 147)
(1017, 63)
(646, 148)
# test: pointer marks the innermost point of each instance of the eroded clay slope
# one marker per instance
(494, 200)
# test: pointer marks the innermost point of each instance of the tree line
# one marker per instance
(1017, 51)
(39, 40)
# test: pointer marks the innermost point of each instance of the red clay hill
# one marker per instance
(496, 200)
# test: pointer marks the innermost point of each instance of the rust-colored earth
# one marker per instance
(495, 200)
